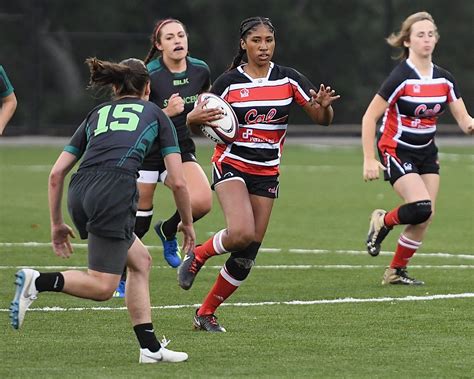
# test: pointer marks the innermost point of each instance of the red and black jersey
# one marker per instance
(415, 103)
(262, 107)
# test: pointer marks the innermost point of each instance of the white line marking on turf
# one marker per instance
(262, 267)
(264, 303)
(264, 250)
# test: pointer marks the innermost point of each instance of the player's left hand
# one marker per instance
(324, 97)
(60, 240)
(189, 242)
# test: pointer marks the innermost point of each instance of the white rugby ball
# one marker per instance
(227, 127)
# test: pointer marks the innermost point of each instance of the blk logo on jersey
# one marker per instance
(180, 82)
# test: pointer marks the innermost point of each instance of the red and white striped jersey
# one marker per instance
(415, 103)
(262, 107)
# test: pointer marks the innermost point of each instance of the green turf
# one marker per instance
(323, 204)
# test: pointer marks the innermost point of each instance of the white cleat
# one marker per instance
(162, 355)
(25, 294)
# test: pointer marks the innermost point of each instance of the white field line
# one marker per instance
(263, 250)
(347, 300)
(262, 267)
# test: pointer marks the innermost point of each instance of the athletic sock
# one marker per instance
(391, 218)
(50, 281)
(213, 246)
(146, 337)
(224, 286)
(143, 221)
(170, 226)
(406, 248)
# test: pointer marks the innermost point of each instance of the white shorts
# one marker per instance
(151, 177)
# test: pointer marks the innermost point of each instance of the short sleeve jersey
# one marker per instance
(262, 107)
(120, 133)
(6, 87)
(415, 103)
(188, 84)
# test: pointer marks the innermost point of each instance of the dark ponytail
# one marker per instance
(128, 78)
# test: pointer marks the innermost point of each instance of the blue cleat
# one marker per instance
(120, 291)
(171, 249)
(25, 294)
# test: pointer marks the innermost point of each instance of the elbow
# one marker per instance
(176, 184)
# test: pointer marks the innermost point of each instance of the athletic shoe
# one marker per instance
(399, 276)
(120, 291)
(188, 270)
(162, 355)
(25, 294)
(208, 323)
(377, 232)
(170, 246)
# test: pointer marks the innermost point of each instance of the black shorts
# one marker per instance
(108, 254)
(409, 161)
(154, 161)
(265, 186)
(103, 201)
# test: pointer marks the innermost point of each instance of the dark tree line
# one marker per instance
(43, 44)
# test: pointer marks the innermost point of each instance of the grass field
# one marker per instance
(312, 307)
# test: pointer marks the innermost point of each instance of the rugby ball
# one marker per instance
(227, 127)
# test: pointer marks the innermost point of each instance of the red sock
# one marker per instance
(224, 286)
(406, 248)
(391, 218)
(211, 247)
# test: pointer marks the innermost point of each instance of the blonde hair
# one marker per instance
(397, 39)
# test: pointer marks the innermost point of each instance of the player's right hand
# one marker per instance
(175, 105)
(371, 169)
(60, 240)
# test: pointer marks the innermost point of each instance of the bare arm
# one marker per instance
(9, 104)
(176, 182)
(462, 117)
(373, 113)
(319, 109)
(60, 232)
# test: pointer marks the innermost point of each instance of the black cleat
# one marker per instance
(399, 276)
(208, 323)
(377, 232)
(188, 270)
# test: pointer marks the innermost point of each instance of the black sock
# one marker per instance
(124, 275)
(50, 281)
(146, 337)
(170, 226)
(143, 221)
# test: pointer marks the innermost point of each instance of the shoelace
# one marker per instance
(212, 320)
(195, 266)
(164, 342)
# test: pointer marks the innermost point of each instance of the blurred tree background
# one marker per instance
(43, 45)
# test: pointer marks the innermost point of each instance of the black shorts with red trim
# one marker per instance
(260, 185)
(402, 161)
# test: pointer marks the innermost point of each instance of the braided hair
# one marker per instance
(246, 26)
(128, 78)
(156, 35)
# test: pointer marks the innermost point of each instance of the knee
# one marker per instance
(418, 212)
(105, 291)
(240, 238)
(141, 263)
